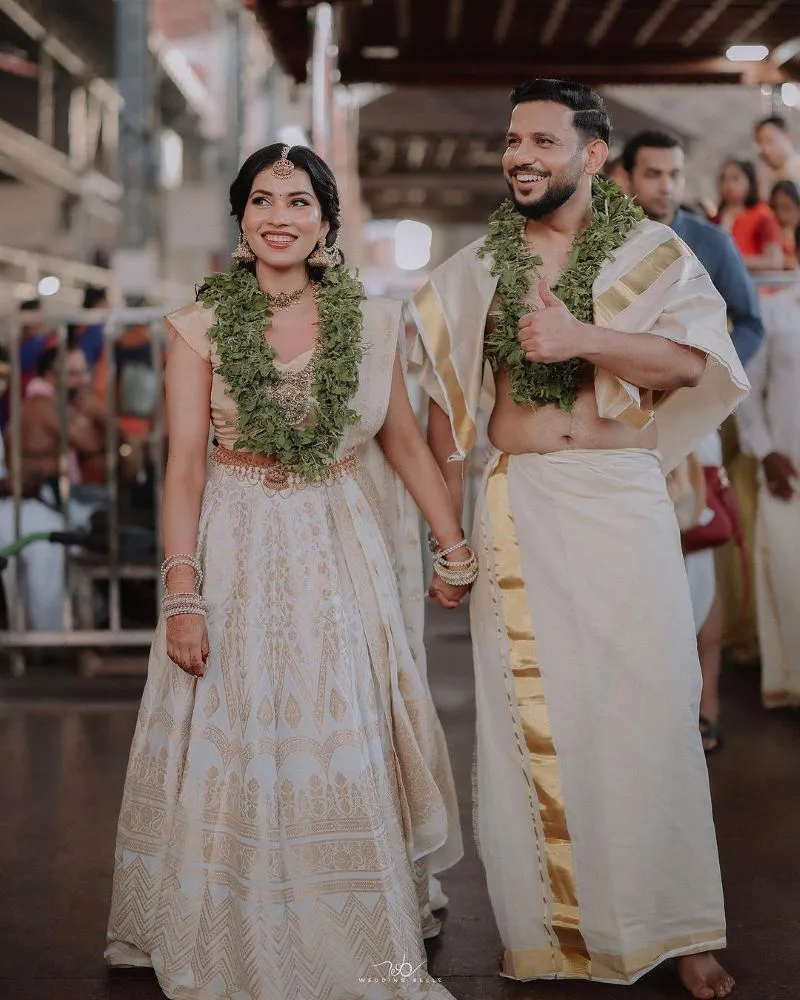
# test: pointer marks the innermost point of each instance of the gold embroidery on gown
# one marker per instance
(280, 814)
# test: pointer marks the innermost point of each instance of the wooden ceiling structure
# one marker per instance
(430, 147)
(498, 43)
(434, 154)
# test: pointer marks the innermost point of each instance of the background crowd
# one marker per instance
(735, 498)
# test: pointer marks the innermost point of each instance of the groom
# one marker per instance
(610, 359)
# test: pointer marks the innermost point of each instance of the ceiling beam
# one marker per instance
(288, 31)
(553, 23)
(752, 24)
(50, 166)
(654, 22)
(72, 63)
(604, 22)
(505, 16)
(415, 152)
(455, 15)
(403, 17)
(704, 22)
(445, 151)
(785, 51)
(466, 69)
(479, 181)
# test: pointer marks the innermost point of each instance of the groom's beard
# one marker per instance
(561, 188)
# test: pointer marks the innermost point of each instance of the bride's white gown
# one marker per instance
(281, 814)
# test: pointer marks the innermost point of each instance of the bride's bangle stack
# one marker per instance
(458, 573)
(183, 604)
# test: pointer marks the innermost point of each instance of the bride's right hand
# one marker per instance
(187, 643)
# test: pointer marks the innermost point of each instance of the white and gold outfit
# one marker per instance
(769, 421)
(281, 815)
(592, 810)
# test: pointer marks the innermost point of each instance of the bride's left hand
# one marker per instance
(446, 594)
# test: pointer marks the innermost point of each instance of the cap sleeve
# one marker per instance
(192, 323)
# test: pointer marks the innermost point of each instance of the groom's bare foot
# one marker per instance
(704, 977)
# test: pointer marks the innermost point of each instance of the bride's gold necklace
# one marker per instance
(285, 300)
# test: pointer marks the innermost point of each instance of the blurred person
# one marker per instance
(86, 418)
(587, 673)
(750, 221)
(136, 381)
(91, 336)
(655, 162)
(769, 429)
(656, 165)
(35, 338)
(137, 396)
(43, 576)
(785, 203)
(758, 235)
(779, 160)
(5, 385)
(708, 606)
(289, 783)
(615, 171)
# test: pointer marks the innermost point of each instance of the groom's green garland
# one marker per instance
(242, 317)
(535, 383)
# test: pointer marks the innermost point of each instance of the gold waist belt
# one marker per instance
(274, 478)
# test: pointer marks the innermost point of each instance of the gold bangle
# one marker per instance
(182, 560)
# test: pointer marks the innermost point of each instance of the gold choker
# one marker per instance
(285, 300)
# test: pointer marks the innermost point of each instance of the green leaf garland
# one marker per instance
(534, 383)
(242, 318)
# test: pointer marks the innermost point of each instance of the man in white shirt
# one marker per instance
(769, 429)
(780, 161)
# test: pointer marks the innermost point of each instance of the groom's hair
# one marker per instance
(589, 114)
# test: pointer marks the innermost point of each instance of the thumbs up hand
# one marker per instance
(551, 333)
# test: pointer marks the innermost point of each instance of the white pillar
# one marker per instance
(323, 68)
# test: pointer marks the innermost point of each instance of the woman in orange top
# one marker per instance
(785, 203)
(751, 222)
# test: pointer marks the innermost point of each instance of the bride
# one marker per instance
(289, 792)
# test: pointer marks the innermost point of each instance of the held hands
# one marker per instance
(455, 569)
(187, 643)
(780, 474)
(552, 333)
(446, 594)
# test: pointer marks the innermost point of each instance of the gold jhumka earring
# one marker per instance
(325, 256)
(242, 254)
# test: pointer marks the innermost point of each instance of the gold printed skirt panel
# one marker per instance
(267, 821)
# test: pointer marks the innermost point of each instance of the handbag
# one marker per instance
(725, 524)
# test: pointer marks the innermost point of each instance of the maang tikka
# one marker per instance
(283, 168)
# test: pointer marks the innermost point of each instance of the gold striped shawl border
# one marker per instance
(635, 282)
(438, 341)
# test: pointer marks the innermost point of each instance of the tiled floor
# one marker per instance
(61, 767)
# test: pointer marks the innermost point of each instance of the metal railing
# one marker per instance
(776, 279)
(19, 637)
